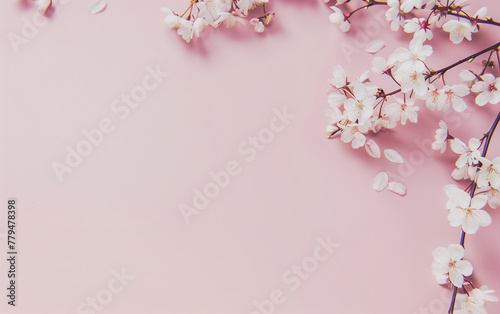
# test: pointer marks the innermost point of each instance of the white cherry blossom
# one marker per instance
(493, 197)
(466, 212)
(339, 77)
(448, 265)
(441, 137)
(468, 159)
(433, 98)
(338, 17)
(394, 14)
(474, 302)
(489, 173)
(231, 19)
(408, 5)
(459, 29)
(451, 96)
(353, 134)
(360, 107)
(411, 80)
(403, 110)
(384, 122)
(414, 57)
(186, 30)
(419, 28)
(487, 90)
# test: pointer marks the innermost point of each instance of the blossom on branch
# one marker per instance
(448, 265)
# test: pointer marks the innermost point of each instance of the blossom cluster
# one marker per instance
(359, 108)
(203, 13)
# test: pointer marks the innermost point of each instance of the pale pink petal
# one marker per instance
(465, 267)
(397, 187)
(456, 278)
(97, 6)
(380, 181)
(456, 251)
(372, 149)
(375, 46)
(393, 156)
(479, 201)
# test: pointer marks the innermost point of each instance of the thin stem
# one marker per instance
(478, 21)
(487, 64)
(443, 70)
(348, 15)
(392, 93)
(454, 296)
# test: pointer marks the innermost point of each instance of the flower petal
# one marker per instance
(97, 6)
(393, 156)
(397, 187)
(456, 278)
(456, 252)
(372, 149)
(380, 181)
(465, 267)
(375, 46)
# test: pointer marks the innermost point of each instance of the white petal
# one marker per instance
(465, 267)
(467, 76)
(97, 6)
(375, 46)
(479, 201)
(456, 278)
(393, 156)
(456, 251)
(397, 187)
(481, 12)
(372, 149)
(380, 181)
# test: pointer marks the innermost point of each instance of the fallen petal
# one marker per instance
(97, 6)
(375, 46)
(393, 156)
(380, 181)
(397, 187)
(372, 149)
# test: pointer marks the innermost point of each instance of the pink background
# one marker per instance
(120, 207)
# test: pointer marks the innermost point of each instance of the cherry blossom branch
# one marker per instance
(467, 59)
(488, 137)
(446, 11)
(445, 69)
(370, 4)
(354, 116)
(203, 13)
